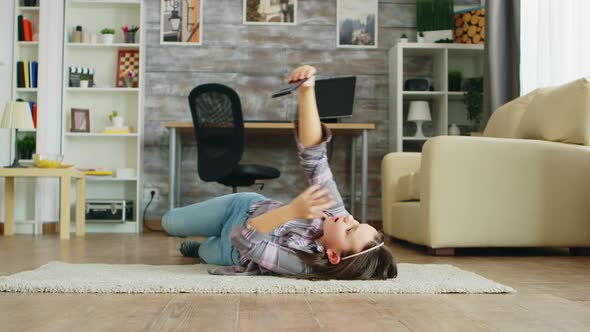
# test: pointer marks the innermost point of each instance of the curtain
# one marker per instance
(501, 55)
(555, 43)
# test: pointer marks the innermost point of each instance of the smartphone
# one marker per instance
(289, 89)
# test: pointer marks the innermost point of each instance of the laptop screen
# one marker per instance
(335, 97)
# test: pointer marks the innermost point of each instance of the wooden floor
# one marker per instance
(553, 295)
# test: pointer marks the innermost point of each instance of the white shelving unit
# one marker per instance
(446, 107)
(24, 50)
(95, 149)
(21, 50)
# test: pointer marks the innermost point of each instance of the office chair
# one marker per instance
(219, 131)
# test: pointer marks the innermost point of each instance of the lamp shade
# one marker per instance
(17, 115)
(419, 111)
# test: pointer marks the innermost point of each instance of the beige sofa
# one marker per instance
(526, 183)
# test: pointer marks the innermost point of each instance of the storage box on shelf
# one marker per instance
(94, 149)
(428, 64)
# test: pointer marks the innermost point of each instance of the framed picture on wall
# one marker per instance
(80, 122)
(281, 12)
(181, 22)
(356, 23)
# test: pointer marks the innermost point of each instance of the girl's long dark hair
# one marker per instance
(375, 264)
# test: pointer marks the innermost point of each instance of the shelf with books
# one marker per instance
(93, 92)
(97, 45)
(28, 9)
(25, 55)
(132, 135)
(109, 179)
(105, 2)
(28, 43)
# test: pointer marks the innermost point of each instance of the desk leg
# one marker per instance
(172, 168)
(352, 175)
(80, 208)
(364, 169)
(178, 162)
(9, 206)
(64, 211)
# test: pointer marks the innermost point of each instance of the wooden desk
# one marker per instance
(66, 175)
(354, 130)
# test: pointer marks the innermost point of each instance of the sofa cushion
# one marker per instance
(560, 114)
(408, 187)
(505, 120)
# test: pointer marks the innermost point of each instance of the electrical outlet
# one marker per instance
(147, 193)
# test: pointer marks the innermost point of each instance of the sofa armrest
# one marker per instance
(393, 166)
(484, 188)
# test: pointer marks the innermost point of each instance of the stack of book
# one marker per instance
(26, 74)
(33, 107)
(25, 30)
(116, 130)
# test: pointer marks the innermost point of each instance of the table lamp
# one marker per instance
(419, 113)
(17, 115)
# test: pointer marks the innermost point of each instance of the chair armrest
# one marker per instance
(478, 186)
(393, 166)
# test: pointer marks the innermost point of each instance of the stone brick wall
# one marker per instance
(254, 60)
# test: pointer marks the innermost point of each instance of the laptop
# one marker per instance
(335, 97)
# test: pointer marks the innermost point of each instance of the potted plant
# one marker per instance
(108, 35)
(116, 120)
(420, 37)
(474, 100)
(403, 38)
(26, 147)
(455, 78)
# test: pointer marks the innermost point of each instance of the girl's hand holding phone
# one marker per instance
(301, 73)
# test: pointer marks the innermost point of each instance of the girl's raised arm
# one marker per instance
(310, 128)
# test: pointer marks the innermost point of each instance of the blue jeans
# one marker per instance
(213, 218)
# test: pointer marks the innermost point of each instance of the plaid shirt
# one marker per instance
(275, 252)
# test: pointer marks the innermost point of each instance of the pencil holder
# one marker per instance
(130, 37)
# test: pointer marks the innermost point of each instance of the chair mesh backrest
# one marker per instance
(219, 129)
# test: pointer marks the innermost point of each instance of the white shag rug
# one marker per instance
(59, 277)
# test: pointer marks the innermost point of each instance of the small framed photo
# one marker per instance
(80, 120)
(279, 12)
(356, 23)
(181, 22)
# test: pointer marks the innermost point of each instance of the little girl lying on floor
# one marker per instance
(311, 237)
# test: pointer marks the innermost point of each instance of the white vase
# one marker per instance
(118, 121)
(108, 38)
(454, 130)
(420, 39)
(403, 40)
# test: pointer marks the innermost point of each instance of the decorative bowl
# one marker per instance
(44, 160)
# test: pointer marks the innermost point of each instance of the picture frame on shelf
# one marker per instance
(469, 26)
(180, 22)
(80, 120)
(357, 23)
(270, 12)
(127, 60)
